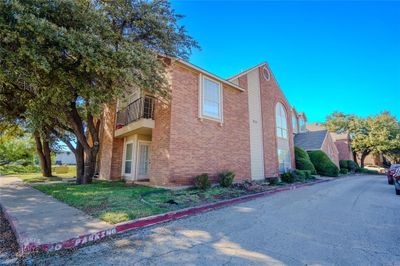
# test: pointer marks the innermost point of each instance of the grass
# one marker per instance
(37, 177)
(116, 202)
(112, 202)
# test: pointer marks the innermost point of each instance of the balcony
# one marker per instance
(136, 118)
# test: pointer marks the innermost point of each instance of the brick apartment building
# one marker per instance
(208, 124)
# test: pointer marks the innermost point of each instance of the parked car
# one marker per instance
(390, 173)
(379, 169)
(396, 180)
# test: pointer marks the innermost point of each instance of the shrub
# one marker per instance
(273, 181)
(352, 166)
(344, 171)
(344, 164)
(323, 164)
(202, 182)
(288, 177)
(299, 175)
(303, 161)
(226, 178)
(306, 173)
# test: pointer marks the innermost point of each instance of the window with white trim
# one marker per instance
(284, 160)
(281, 122)
(302, 124)
(211, 99)
(295, 124)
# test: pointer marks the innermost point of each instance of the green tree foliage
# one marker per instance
(65, 60)
(16, 147)
(379, 134)
(323, 164)
(303, 161)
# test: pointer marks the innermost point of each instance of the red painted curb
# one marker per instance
(142, 222)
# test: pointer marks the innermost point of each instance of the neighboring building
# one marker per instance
(65, 157)
(375, 159)
(208, 124)
(318, 140)
(342, 141)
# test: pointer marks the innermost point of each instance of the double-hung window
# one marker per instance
(211, 99)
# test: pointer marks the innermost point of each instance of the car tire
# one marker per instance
(397, 192)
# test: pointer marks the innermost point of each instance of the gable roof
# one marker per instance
(311, 140)
(245, 71)
(203, 71)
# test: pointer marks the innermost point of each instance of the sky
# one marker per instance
(326, 55)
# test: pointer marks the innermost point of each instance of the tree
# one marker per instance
(377, 134)
(71, 58)
(16, 146)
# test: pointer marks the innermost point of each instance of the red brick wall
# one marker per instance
(329, 148)
(159, 171)
(343, 146)
(271, 94)
(111, 149)
(204, 146)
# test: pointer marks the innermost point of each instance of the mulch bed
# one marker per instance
(8, 244)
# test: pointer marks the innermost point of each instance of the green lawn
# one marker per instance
(116, 202)
(112, 202)
(37, 177)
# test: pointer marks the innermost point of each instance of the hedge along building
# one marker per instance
(208, 124)
(318, 140)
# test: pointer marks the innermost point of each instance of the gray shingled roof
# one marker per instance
(311, 140)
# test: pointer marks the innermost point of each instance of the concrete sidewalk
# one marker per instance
(40, 219)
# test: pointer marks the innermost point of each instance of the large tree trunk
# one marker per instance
(43, 151)
(364, 154)
(355, 157)
(88, 139)
(90, 165)
(80, 163)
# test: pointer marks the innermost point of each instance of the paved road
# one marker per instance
(350, 221)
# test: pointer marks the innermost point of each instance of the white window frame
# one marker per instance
(278, 123)
(295, 123)
(129, 175)
(201, 100)
(302, 124)
(286, 160)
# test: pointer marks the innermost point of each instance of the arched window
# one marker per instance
(282, 138)
(281, 121)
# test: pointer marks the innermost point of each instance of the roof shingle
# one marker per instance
(311, 140)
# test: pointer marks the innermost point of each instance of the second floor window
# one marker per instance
(294, 122)
(211, 106)
(281, 122)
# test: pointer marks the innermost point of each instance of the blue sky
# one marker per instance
(326, 56)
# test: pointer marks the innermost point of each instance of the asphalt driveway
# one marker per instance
(350, 221)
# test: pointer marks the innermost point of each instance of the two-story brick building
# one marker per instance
(208, 124)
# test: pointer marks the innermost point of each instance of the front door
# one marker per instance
(143, 161)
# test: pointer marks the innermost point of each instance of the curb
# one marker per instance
(29, 247)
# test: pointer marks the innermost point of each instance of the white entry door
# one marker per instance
(143, 160)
